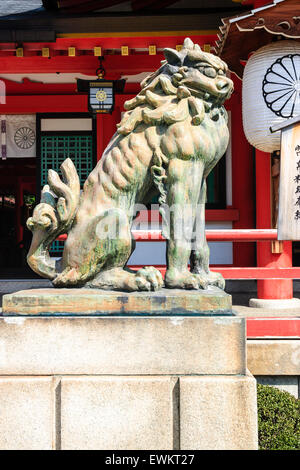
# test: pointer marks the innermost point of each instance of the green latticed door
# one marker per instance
(55, 149)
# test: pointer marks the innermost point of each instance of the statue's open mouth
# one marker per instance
(211, 93)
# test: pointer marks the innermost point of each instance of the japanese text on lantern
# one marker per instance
(297, 181)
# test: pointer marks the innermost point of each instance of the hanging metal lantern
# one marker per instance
(101, 92)
(101, 96)
(271, 92)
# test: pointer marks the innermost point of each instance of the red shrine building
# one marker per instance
(46, 46)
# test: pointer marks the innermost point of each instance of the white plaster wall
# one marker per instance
(155, 252)
(76, 124)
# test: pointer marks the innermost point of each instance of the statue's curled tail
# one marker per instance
(53, 217)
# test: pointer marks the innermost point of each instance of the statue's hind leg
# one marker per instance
(103, 241)
(146, 279)
(115, 277)
(96, 254)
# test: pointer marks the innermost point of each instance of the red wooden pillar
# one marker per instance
(242, 178)
(99, 130)
(104, 132)
(106, 127)
(269, 289)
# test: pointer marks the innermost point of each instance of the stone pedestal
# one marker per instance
(100, 302)
(94, 381)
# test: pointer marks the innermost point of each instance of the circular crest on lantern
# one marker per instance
(281, 85)
(24, 138)
(101, 95)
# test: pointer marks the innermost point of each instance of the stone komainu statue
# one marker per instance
(172, 135)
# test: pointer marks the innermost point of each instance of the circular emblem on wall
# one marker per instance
(101, 95)
(281, 86)
(24, 138)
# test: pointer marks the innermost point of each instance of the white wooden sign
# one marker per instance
(289, 186)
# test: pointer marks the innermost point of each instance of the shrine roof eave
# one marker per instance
(241, 35)
(31, 26)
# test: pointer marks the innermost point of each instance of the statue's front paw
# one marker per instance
(216, 279)
(149, 278)
(69, 277)
(184, 280)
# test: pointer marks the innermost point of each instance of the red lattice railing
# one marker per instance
(229, 235)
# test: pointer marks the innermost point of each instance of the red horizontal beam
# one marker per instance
(37, 101)
(28, 87)
(258, 273)
(44, 104)
(273, 327)
(87, 64)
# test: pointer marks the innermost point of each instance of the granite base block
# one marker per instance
(27, 413)
(218, 413)
(121, 413)
(122, 345)
(128, 413)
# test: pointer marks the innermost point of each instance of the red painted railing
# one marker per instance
(229, 235)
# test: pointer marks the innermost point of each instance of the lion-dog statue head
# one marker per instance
(188, 83)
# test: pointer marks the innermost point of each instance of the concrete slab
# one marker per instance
(273, 357)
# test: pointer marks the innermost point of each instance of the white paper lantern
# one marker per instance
(271, 92)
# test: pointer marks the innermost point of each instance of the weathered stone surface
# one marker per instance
(218, 413)
(288, 383)
(122, 345)
(118, 413)
(96, 301)
(27, 414)
(274, 357)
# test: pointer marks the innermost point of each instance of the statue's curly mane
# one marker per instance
(160, 102)
(163, 101)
